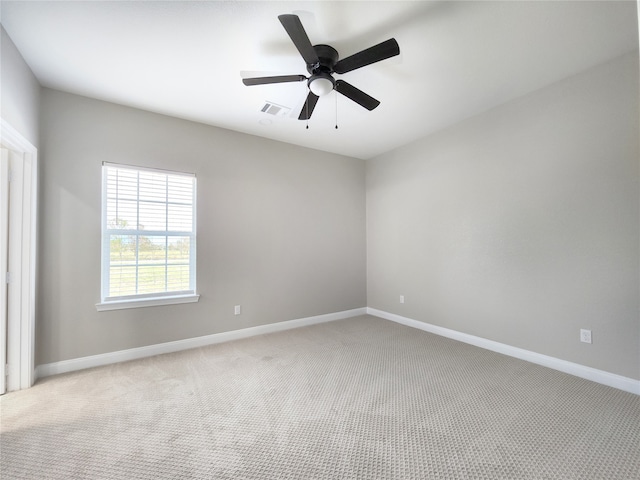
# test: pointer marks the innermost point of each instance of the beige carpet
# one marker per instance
(361, 398)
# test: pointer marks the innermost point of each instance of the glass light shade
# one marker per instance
(321, 86)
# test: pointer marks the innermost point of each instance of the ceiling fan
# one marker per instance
(323, 61)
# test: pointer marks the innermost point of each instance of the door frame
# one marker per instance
(4, 264)
(21, 326)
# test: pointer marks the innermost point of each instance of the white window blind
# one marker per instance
(148, 233)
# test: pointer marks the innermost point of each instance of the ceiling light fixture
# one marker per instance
(321, 83)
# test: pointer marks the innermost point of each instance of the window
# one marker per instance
(148, 237)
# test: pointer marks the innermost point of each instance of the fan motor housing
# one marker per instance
(328, 57)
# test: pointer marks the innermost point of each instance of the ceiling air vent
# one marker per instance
(271, 108)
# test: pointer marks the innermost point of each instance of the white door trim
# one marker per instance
(4, 267)
(23, 211)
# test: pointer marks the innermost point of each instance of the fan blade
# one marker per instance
(308, 106)
(356, 95)
(277, 79)
(371, 55)
(294, 28)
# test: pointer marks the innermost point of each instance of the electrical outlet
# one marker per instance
(237, 310)
(585, 335)
(401, 298)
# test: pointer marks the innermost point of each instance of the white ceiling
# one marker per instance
(184, 59)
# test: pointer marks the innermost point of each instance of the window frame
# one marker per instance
(144, 299)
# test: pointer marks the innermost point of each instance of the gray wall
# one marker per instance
(19, 91)
(520, 225)
(281, 229)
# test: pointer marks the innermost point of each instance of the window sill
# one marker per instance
(146, 302)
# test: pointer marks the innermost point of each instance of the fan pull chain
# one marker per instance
(306, 104)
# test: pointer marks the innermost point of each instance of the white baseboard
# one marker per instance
(588, 373)
(65, 366)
